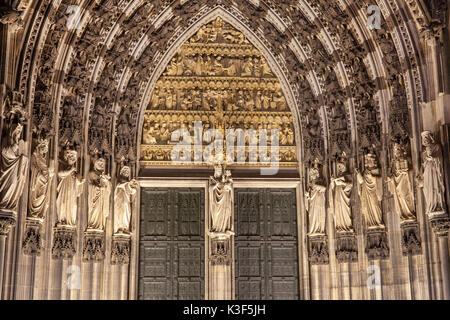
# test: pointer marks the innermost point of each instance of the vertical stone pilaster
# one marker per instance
(441, 226)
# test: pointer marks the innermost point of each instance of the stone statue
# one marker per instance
(41, 176)
(123, 198)
(69, 189)
(400, 185)
(13, 168)
(99, 191)
(431, 179)
(339, 195)
(316, 203)
(371, 192)
(221, 200)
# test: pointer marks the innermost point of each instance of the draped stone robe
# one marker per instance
(317, 209)
(433, 181)
(371, 193)
(14, 166)
(401, 189)
(339, 197)
(123, 197)
(69, 189)
(99, 191)
(221, 205)
(39, 187)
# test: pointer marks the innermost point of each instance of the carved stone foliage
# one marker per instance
(346, 247)
(7, 221)
(93, 246)
(440, 225)
(411, 242)
(32, 243)
(220, 251)
(120, 250)
(377, 246)
(318, 250)
(64, 243)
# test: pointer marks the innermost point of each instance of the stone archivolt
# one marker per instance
(347, 88)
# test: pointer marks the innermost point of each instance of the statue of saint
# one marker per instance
(99, 196)
(13, 168)
(221, 200)
(123, 198)
(400, 185)
(69, 189)
(371, 191)
(431, 179)
(41, 176)
(340, 193)
(316, 203)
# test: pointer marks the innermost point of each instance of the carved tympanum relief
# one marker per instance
(219, 79)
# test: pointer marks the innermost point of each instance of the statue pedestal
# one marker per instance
(377, 244)
(318, 249)
(31, 244)
(411, 243)
(346, 247)
(93, 245)
(64, 242)
(120, 249)
(220, 265)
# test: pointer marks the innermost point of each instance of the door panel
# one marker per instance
(172, 244)
(266, 244)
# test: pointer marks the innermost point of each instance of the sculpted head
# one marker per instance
(399, 151)
(42, 146)
(100, 165)
(218, 171)
(125, 171)
(370, 160)
(427, 138)
(70, 156)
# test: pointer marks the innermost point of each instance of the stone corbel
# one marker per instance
(7, 221)
(94, 245)
(318, 249)
(411, 243)
(440, 225)
(377, 244)
(220, 248)
(346, 247)
(31, 244)
(64, 242)
(120, 249)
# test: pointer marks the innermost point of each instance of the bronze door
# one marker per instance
(266, 244)
(172, 244)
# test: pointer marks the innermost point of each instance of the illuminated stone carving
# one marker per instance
(217, 78)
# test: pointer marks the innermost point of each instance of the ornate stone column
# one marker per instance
(7, 221)
(441, 226)
(221, 234)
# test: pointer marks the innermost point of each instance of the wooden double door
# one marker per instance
(172, 244)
